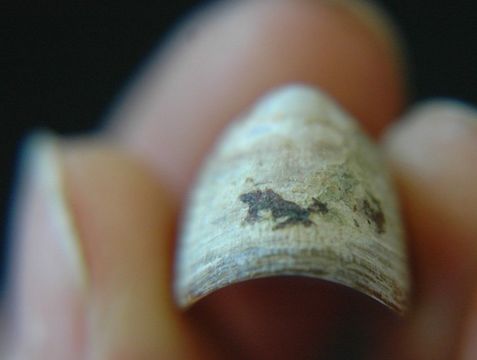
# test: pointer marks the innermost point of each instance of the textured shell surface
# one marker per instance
(293, 188)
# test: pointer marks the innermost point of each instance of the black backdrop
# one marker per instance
(62, 65)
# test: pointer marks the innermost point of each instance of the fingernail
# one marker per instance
(46, 177)
(379, 22)
(384, 27)
(294, 188)
(432, 127)
(444, 110)
(49, 275)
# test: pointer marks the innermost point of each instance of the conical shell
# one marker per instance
(293, 188)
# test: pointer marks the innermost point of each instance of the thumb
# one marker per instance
(92, 243)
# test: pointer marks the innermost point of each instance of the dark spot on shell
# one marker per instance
(284, 212)
(318, 207)
(372, 210)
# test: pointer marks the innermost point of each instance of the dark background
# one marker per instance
(61, 66)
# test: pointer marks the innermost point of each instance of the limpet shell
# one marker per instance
(294, 188)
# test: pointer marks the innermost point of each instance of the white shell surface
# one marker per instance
(294, 188)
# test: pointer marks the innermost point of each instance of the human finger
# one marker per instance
(90, 274)
(434, 155)
(231, 54)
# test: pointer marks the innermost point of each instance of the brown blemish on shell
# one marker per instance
(374, 214)
(290, 212)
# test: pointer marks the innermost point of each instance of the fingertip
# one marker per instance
(433, 151)
(127, 227)
(91, 276)
(46, 297)
(436, 144)
(241, 50)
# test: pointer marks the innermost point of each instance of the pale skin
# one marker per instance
(126, 185)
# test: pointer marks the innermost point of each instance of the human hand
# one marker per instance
(96, 217)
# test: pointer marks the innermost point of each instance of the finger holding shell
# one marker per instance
(293, 188)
